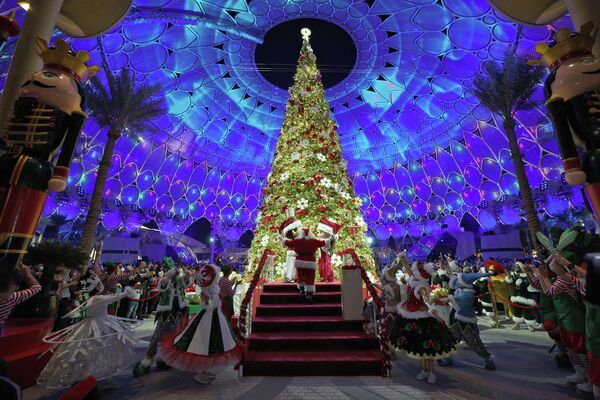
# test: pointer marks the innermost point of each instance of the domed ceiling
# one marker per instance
(421, 150)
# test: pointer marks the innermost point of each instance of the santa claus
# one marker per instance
(306, 245)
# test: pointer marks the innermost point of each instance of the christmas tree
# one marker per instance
(309, 174)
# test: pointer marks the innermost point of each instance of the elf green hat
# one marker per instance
(169, 263)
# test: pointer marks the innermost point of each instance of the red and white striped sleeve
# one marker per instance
(25, 294)
(579, 284)
(563, 285)
(535, 282)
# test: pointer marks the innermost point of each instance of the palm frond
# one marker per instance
(507, 87)
(125, 104)
(54, 254)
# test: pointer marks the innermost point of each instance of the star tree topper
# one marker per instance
(305, 33)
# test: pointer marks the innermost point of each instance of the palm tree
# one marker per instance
(505, 89)
(125, 106)
(53, 228)
(52, 255)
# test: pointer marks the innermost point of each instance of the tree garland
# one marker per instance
(248, 296)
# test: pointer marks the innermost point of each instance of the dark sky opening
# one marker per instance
(277, 57)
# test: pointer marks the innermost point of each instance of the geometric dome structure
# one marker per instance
(421, 151)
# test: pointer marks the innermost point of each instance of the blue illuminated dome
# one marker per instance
(421, 150)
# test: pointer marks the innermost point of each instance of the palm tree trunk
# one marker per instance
(91, 221)
(533, 222)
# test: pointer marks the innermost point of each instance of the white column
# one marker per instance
(583, 11)
(39, 22)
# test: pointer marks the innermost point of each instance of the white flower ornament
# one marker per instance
(302, 203)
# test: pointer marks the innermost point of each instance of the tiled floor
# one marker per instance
(526, 371)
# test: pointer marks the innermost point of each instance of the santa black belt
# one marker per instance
(305, 254)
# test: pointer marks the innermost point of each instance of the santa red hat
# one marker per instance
(288, 225)
(328, 226)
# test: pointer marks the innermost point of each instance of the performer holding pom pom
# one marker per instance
(100, 345)
(419, 331)
(207, 342)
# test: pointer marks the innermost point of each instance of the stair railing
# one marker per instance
(382, 332)
(242, 322)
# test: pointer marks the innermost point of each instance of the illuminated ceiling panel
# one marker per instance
(421, 150)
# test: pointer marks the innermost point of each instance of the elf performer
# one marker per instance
(172, 308)
(207, 342)
(463, 322)
(592, 324)
(573, 94)
(418, 331)
(570, 312)
(287, 229)
(522, 296)
(391, 289)
(482, 287)
(306, 246)
(549, 318)
(328, 231)
(38, 144)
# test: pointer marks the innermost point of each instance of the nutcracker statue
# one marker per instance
(573, 102)
(37, 146)
(8, 27)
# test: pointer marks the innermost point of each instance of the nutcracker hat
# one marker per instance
(329, 226)
(289, 225)
(62, 58)
(567, 45)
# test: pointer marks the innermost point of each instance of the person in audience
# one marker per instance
(9, 295)
(111, 279)
(133, 301)
(227, 291)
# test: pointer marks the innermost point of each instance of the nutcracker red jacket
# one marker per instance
(305, 249)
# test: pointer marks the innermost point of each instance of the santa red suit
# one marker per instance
(305, 247)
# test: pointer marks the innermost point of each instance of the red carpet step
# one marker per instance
(292, 338)
(292, 288)
(312, 341)
(333, 309)
(295, 297)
